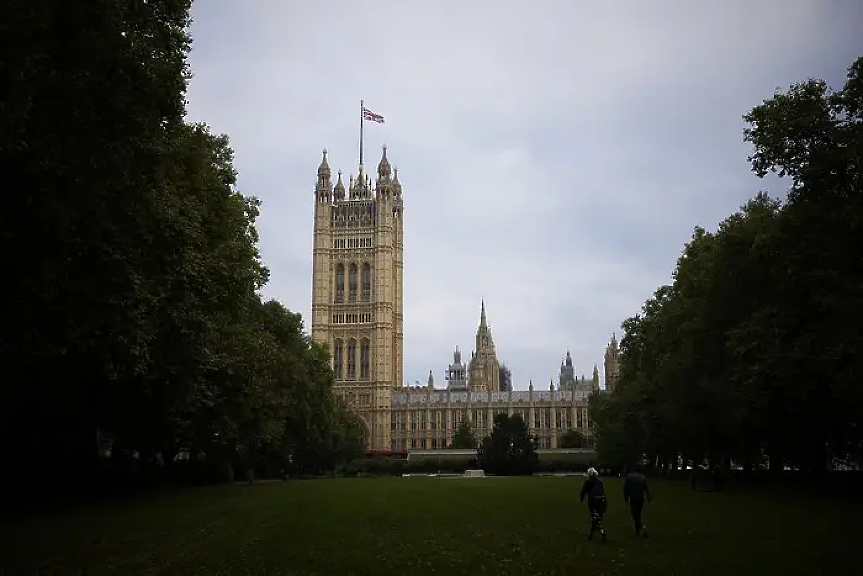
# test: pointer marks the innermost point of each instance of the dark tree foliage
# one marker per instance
(573, 439)
(509, 450)
(754, 353)
(464, 437)
(133, 274)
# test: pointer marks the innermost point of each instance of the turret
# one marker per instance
(383, 183)
(360, 187)
(456, 374)
(396, 185)
(612, 364)
(483, 332)
(339, 192)
(384, 168)
(324, 185)
(567, 373)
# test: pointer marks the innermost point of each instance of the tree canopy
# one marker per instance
(134, 275)
(464, 438)
(753, 352)
(509, 450)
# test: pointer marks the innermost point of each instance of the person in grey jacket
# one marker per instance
(635, 493)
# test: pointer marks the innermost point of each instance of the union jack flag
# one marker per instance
(369, 115)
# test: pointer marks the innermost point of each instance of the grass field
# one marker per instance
(414, 526)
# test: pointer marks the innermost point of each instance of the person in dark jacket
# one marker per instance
(635, 493)
(594, 491)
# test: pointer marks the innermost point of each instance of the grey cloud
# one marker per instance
(555, 156)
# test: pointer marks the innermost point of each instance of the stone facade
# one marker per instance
(612, 365)
(484, 369)
(568, 381)
(357, 284)
(423, 418)
(357, 303)
(456, 374)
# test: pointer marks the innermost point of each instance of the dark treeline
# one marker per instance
(135, 325)
(753, 354)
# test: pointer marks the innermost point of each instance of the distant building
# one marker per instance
(612, 365)
(456, 374)
(357, 304)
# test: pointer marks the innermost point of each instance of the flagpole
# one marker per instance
(362, 107)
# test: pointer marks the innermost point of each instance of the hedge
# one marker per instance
(383, 466)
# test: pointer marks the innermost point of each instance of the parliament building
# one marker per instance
(357, 311)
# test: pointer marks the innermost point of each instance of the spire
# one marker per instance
(384, 168)
(340, 188)
(568, 359)
(359, 187)
(482, 321)
(324, 186)
(397, 186)
(324, 168)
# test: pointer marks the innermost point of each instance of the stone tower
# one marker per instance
(612, 365)
(456, 374)
(357, 284)
(484, 369)
(567, 374)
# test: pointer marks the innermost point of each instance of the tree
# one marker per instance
(815, 138)
(752, 337)
(90, 166)
(138, 312)
(509, 450)
(464, 437)
(573, 439)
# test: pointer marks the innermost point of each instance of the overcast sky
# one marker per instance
(555, 155)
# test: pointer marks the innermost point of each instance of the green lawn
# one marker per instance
(412, 526)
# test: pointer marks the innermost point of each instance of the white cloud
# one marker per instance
(554, 156)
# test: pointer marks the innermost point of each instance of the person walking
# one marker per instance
(635, 493)
(594, 491)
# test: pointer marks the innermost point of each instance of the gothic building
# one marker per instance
(357, 304)
(612, 365)
(568, 380)
(456, 373)
(484, 369)
(357, 288)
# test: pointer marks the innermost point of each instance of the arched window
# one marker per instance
(337, 359)
(367, 282)
(340, 283)
(365, 359)
(352, 283)
(352, 359)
